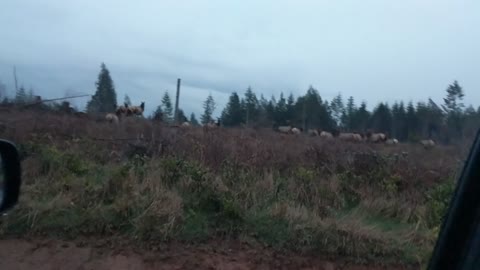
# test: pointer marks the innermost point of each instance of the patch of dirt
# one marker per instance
(43, 254)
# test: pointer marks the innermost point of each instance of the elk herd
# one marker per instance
(369, 136)
(125, 111)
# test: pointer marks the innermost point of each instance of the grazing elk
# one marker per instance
(350, 137)
(326, 135)
(376, 137)
(296, 131)
(313, 132)
(391, 141)
(427, 144)
(284, 129)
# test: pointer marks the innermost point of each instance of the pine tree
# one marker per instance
(167, 108)
(359, 118)
(290, 108)
(412, 122)
(193, 120)
(399, 124)
(209, 107)
(314, 112)
(126, 100)
(21, 96)
(181, 116)
(232, 114)
(158, 114)
(30, 95)
(3, 91)
(453, 100)
(453, 108)
(337, 109)
(381, 120)
(471, 122)
(349, 114)
(251, 107)
(280, 112)
(105, 98)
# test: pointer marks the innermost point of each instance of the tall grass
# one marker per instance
(152, 183)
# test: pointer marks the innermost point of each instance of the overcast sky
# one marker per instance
(373, 50)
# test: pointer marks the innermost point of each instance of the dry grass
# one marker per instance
(154, 183)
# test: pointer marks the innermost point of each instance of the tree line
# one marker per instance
(445, 122)
(404, 121)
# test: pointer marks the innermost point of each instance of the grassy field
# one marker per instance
(148, 183)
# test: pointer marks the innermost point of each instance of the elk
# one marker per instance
(326, 135)
(350, 137)
(122, 110)
(391, 141)
(137, 110)
(112, 118)
(427, 144)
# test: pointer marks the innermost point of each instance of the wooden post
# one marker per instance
(304, 114)
(15, 78)
(176, 102)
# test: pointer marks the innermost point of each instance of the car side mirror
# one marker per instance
(10, 175)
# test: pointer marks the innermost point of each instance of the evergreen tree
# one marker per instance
(412, 122)
(453, 100)
(209, 107)
(21, 96)
(453, 108)
(471, 122)
(167, 108)
(266, 115)
(126, 100)
(30, 95)
(290, 108)
(349, 114)
(359, 117)
(105, 98)
(280, 114)
(435, 124)
(158, 114)
(233, 114)
(381, 119)
(193, 120)
(314, 112)
(337, 109)
(252, 111)
(3, 91)
(399, 121)
(181, 116)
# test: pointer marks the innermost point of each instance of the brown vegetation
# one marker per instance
(150, 183)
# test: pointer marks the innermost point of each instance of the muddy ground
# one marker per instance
(43, 254)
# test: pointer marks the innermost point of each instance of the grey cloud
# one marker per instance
(372, 50)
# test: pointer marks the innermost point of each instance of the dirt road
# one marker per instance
(55, 254)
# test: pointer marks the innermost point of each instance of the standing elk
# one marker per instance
(137, 110)
(112, 118)
(122, 110)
